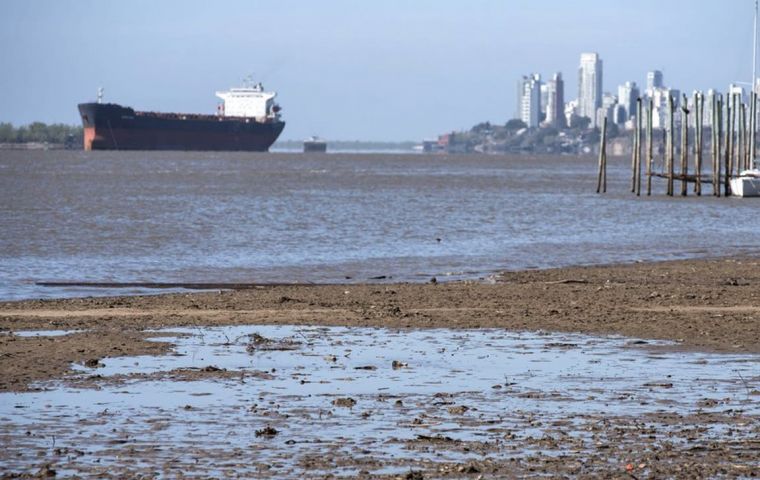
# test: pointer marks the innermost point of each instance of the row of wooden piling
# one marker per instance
(733, 147)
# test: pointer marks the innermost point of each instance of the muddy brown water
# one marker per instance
(279, 217)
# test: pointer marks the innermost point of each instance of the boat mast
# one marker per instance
(753, 121)
(754, 52)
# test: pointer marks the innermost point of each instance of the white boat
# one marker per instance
(747, 184)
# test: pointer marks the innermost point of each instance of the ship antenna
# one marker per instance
(100, 94)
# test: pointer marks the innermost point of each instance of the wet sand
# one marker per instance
(710, 305)
(702, 305)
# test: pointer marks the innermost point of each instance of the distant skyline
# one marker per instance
(349, 70)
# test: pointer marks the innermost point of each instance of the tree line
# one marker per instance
(39, 132)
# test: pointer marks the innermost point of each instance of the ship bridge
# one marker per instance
(249, 102)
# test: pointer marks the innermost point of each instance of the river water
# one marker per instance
(290, 217)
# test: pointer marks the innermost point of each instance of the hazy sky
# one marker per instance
(374, 70)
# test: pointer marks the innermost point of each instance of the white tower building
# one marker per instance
(590, 86)
(529, 100)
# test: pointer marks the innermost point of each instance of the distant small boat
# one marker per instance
(747, 184)
(314, 144)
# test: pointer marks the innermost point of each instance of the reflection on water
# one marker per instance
(369, 390)
(227, 217)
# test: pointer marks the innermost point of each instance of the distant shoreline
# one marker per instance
(34, 146)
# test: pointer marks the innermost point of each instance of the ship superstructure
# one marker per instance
(249, 102)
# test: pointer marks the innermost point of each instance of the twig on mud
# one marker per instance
(201, 334)
(302, 335)
(746, 385)
(568, 280)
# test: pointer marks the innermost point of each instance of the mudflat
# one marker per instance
(707, 305)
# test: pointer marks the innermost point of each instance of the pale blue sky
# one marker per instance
(374, 70)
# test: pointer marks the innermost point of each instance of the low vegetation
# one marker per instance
(39, 132)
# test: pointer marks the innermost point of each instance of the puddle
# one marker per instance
(40, 333)
(358, 399)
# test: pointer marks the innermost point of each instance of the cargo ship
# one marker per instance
(247, 120)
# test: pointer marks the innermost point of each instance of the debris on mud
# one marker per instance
(366, 367)
(347, 402)
(267, 432)
(396, 364)
(257, 342)
(93, 363)
(458, 410)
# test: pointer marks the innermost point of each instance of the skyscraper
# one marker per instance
(544, 98)
(654, 80)
(590, 86)
(555, 102)
(627, 95)
(529, 99)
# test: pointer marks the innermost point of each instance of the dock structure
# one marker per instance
(732, 140)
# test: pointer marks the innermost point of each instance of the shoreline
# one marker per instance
(701, 305)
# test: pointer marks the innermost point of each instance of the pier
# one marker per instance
(732, 130)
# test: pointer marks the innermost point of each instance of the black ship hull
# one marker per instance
(109, 126)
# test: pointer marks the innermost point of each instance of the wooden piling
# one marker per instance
(634, 152)
(743, 139)
(734, 123)
(684, 145)
(749, 154)
(650, 148)
(639, 121)
(727, 148)
(601, 182)
(671, 145)
(713, 139)
(717, 136)
(735, 106)
(752, 128)
(751, 119)
(699, 101)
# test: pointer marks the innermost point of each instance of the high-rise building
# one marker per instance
(618, 114)
(654, 80)
(628, 93)
(544, 98)
(708, 113)
(529, 99)
(555, 102)
(661, 103)
(590, 86)
(737, 90)
(571, 112)
(609, 102)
